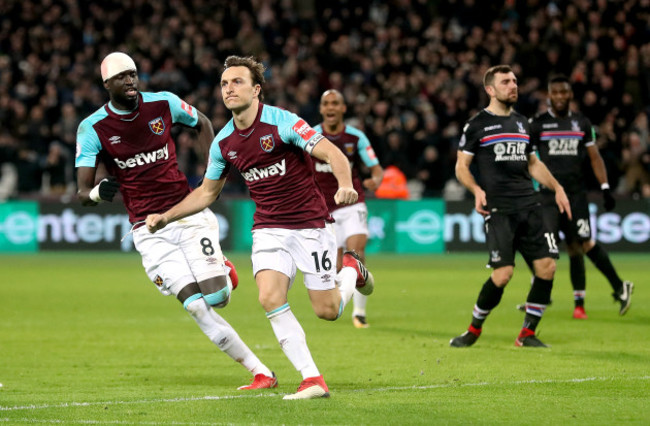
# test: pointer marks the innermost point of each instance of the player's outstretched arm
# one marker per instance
(195, 201)
(328, 152)
(465, 177)
(540, 172)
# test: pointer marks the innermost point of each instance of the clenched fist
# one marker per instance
(155, 222)
(346, 195)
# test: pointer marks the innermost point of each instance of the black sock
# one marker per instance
(531, 321)
(577, 271)
(539, 297)
(488, 298)
(540, 291)
(601, 260)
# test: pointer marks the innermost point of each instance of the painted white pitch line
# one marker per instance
(101, 422)
(269, 395)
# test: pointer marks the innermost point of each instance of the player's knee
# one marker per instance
(545, 268)
(216, 291)
(588, 245)
(502, 276)
(218, 299)
(271, 301)
(575, 248)
(327, 312)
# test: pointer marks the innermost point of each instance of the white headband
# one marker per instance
(116, 63)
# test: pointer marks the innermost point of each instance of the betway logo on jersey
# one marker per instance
(143, 158)
(322, 167)
(563, 147)
(510, 151)
(254, 174)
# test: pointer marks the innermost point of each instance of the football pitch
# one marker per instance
(85, 338)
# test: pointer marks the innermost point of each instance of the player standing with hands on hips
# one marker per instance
(131, 136)
(499, 139)
(564, 140)
(271, 147)
(350, 222)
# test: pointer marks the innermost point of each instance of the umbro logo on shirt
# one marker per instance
(232, 155)
(496, 126)
(114, 140)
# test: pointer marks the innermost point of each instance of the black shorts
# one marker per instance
(576, 230)
(524, 231)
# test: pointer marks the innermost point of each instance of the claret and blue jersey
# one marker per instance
(273, 157)
(137, 149)
(356, 147)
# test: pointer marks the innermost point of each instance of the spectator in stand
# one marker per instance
(411, 57)
(431, 172)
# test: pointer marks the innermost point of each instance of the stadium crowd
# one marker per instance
(410, 70)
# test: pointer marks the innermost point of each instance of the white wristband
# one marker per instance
(94, 194)
(604, 186)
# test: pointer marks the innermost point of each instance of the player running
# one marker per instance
(131, 137)
(350, 222)
(271, 147)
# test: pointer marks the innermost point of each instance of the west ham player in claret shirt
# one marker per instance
(565, 140)
(350, 222)
(271, 148)
(498, 139)
(131, 136)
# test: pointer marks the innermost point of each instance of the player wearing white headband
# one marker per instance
(131, 136)
(116, 63)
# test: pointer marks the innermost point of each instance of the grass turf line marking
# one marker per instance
(101, 422)
(267, 395)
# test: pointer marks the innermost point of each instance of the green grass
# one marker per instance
(86, 339)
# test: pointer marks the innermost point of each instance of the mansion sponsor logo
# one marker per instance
(563, 146)
(510, 151)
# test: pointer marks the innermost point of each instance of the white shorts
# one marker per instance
(349, 221)
(181, 253)
(313, 251)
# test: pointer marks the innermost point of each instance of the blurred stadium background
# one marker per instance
(82, 339)
(410, 71)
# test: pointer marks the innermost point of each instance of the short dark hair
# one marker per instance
(559, 78)
(256, 68)
(488, 78)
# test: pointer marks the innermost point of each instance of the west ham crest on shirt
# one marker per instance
(157, 126)
(349, 148)
(267, 143)
(158, 281)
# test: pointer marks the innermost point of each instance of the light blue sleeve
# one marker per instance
(216, 163)
(291, 128)
(364, 148)
(88, 144)
(182, 112)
